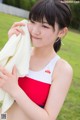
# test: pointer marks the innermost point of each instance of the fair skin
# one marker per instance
(24, 108)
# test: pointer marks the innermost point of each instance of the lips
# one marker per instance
(35, 37)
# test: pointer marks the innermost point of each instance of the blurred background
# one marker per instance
(27, 4)
(16, 10)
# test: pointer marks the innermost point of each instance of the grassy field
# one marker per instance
(70, 51)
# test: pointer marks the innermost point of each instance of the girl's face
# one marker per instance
(42, 34)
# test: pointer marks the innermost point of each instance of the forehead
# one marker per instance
(44, 20)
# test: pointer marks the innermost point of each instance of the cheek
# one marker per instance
(48, 36)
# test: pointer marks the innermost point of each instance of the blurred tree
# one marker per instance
(17, 3)
(9, 2)
(24, 4)
(27, 4)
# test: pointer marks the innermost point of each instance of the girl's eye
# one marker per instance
(45, 26)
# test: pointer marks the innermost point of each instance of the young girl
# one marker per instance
(41, 94)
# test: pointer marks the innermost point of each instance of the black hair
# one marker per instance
(54, 11)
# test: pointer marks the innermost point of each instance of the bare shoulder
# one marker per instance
(62, 64)
(63, 68)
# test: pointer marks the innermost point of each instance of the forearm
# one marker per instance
(33, 111)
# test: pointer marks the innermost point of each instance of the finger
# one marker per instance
(16, 31)
(20, 31)
(2, 76)
(16, 24)
(1, 82)
(14, 71)
(4, 71)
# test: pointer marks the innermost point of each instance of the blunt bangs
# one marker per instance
(53, 11)
(43, 9)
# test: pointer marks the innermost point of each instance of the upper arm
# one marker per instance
(62, 78)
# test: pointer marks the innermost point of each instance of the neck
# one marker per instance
(43, 52)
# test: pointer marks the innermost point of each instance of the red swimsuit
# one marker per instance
(37, 84)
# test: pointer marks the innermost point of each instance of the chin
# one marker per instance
(37, 45)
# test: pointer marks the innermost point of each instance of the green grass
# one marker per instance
(6, 22)
(70, 52)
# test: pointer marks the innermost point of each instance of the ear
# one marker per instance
(62, 32)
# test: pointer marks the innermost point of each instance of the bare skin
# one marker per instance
(42, 53)
(15, 113)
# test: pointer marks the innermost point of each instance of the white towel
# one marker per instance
(15, 52)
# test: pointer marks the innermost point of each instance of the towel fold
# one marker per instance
(15, 52)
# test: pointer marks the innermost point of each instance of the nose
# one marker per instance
(36, 30)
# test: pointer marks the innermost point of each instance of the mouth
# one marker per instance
(35, 37)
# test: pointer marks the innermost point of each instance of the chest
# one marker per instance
(36, 90)
(37, 64)
(36, 84)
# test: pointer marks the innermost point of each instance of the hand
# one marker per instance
(8, 81)
(15, 29)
